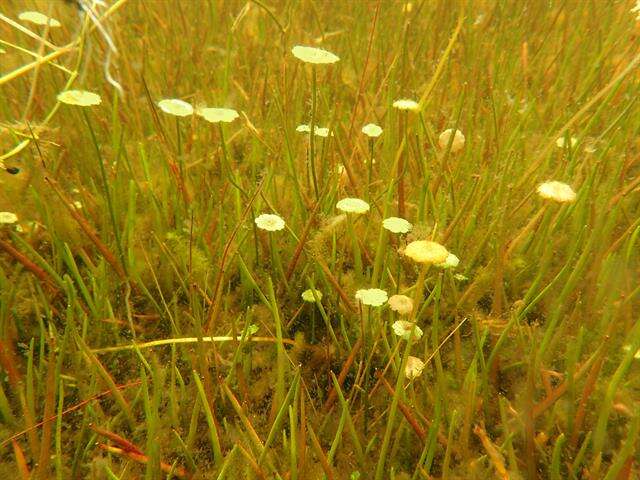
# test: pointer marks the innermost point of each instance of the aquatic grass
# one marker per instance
(380, 467)
(211, 421)
(372, 131)
(525, 339)
(105, 186)
(317, 297)
(352, 207)
(313, 56)
(606, 405)
(272, 223)
(280, 352)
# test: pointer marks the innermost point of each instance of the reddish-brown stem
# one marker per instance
(493, 453)
(328, 471)
(26, 263)
(588, 389)
(143, 459)
(252, 462)
(122, 442)
(217, 291)
(406, 411)
(335, 284)
(343, 374)
(301, 243)
(88, 229)
(364, 69)
(302, 442)
(540, 407)
(49, 406)
(400, 176)
(9, 361)
(68, 410)
(21, 461)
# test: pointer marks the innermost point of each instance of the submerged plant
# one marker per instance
(406, 104)
(407, 330)
(636, 10)
(401, 304)
(8, 217)
(130, 305)
(397, 225)
(561, 142)
(39, 19)
(372, 130)
(373, 297)
(426, 252)
(452, 261)
(80, 98)
(314, 56)
(353, 205)
(414, 367)
(269, 222)
(217, 115)
(318, 131)
(176, 107)
(557, 191)
(220, 116)
(310, 295)
(452, 137)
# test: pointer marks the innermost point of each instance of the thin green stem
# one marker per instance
(380, 467)
(107, 192)
(312, 133)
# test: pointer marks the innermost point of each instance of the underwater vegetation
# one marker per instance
(302, 239)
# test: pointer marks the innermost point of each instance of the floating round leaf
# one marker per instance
(81, 98)
(372, 130)
(314, 55)
(401, 304)
(560, 142)
(8, 217)
(425, 251)
(413, 368)
(406, 104)
(457, 143)
(452, 261)
(39, 19)
(407, 330)
(353, 205)
(217, 115)
(372, 296)
(558, 191)
(397, 225)
(318, 131)
(307, 295)
(175, 106)
(270, 222)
